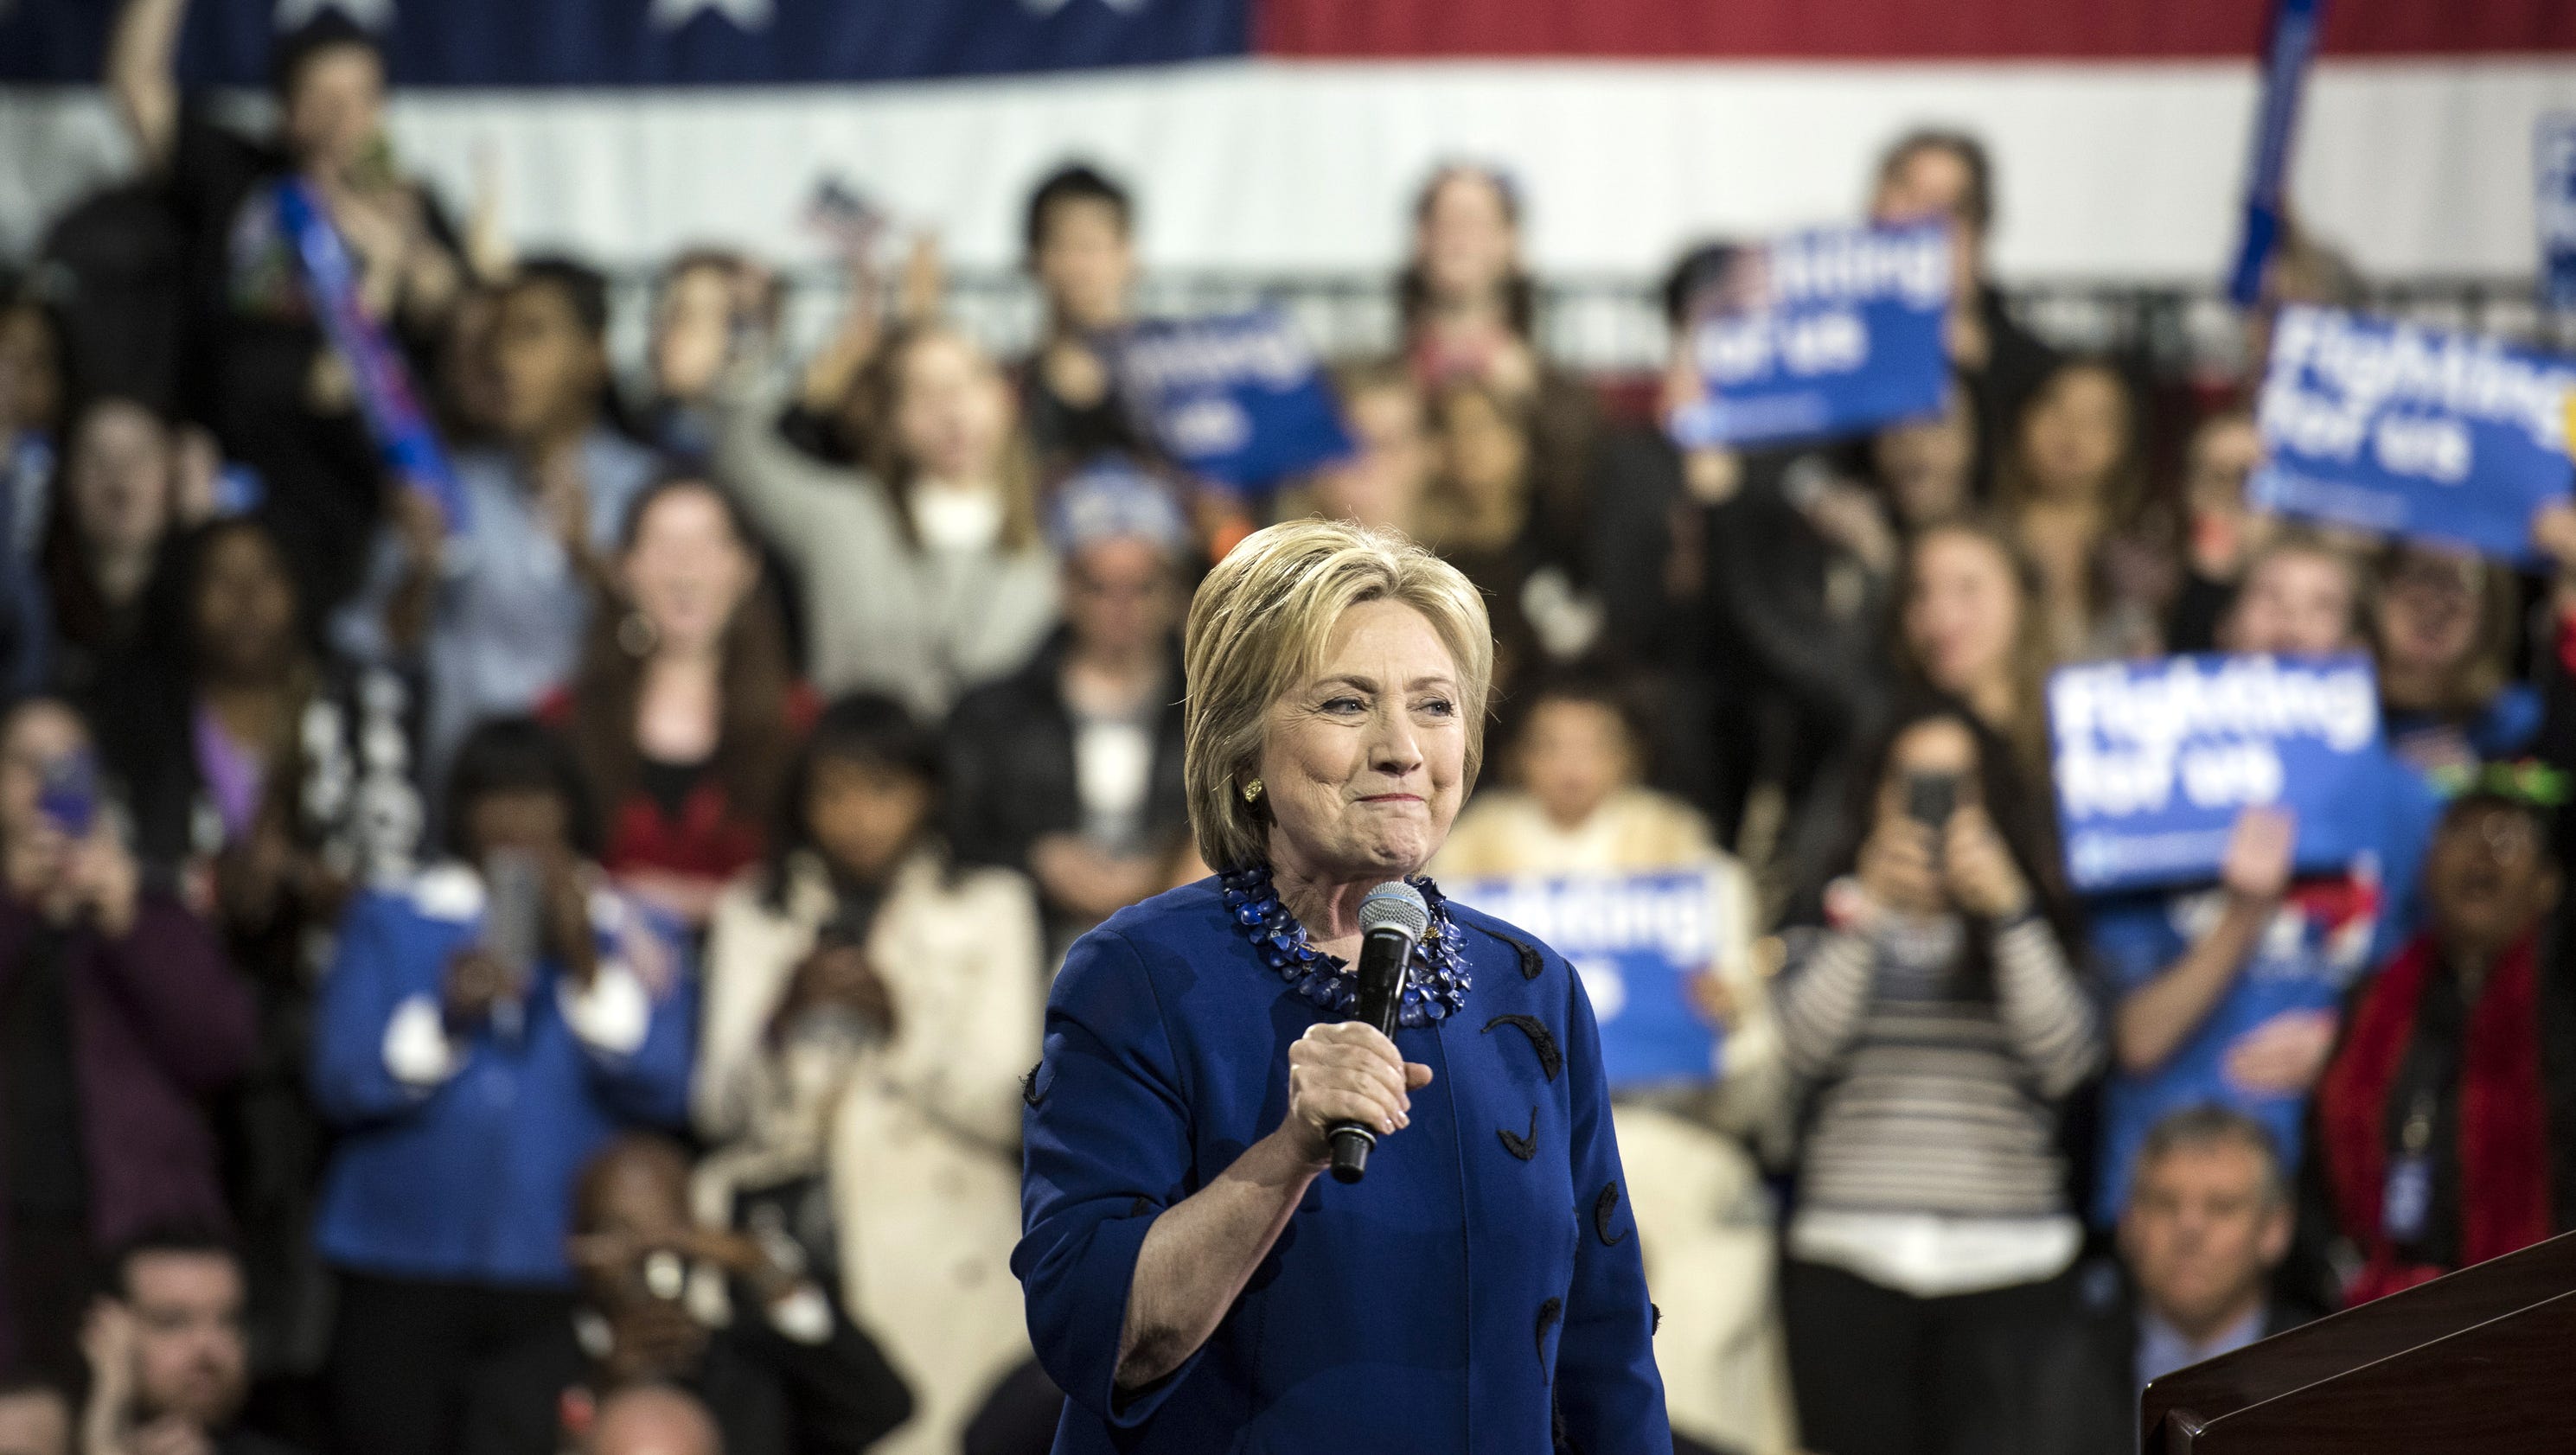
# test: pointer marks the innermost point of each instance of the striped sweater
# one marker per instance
(1930, 1098)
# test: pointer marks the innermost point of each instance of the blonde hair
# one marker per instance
(1259, 624)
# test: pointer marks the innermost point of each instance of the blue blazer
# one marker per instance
(1482, 1281)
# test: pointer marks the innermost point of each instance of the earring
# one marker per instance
(638, 635)
(1252, 791)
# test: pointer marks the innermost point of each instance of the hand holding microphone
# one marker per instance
(1346, 1082)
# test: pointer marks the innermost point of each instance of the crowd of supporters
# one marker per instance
(553, 970)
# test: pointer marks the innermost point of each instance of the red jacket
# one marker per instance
(711, 837)
(2503, 1132)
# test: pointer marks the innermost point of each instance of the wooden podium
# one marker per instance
(2483, 1360)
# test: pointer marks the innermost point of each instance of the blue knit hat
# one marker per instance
(1110, 498)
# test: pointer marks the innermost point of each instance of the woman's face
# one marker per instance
(1482, 446)
(687, 571)
(1574, 755)
(1963, 614)
(2075, 432)
(2295, 602)
(864, 815)
(533, 821)
(1365, 761)
(245, 607)
(2429, 609)
(1466, 242)
(952, 409)
(2223, 454)
(120, 477)
(692, 330)
(1925, 464)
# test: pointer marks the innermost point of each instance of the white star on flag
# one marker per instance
(368, 14)
(745, 14)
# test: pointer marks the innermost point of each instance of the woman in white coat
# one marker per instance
(869, 1011)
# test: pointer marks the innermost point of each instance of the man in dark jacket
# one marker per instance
(169, 1363)
(1070, 770)
(2208, 1219)
(117, 1017)
(780, 1369)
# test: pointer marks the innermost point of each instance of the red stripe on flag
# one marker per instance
(1892, 29)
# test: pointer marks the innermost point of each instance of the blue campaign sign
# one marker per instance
(2411, 431)
(1821, 334)
(2553, 155)
(2156, 759)
(1636, 939)
(1238, 399)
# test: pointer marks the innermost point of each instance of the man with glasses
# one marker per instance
(1070, 770)
(2446, 1122)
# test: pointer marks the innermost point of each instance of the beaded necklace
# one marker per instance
(1436, 980)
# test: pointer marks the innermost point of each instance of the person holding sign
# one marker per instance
(2231, 993)
(1936, 1020)
(1946, 175)
(1579, 841)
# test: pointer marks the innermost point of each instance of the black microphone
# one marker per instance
(1393, 919)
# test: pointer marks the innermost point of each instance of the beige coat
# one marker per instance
(1704, 1219)
(920, 1134)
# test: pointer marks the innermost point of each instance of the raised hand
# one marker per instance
(2259, 854)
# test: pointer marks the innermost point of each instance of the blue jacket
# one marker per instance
(456, 1159)
(1483, 1277)
(2329, 933)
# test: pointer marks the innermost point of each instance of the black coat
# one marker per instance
(1010, 768)
(769, 1394)
(2081, 1397)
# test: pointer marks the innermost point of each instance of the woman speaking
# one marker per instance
(1192, 1284)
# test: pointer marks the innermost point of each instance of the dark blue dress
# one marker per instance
(1483, 1281)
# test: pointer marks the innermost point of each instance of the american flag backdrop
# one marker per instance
(1286, 135)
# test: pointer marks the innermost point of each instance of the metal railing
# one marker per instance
(1615, 325)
